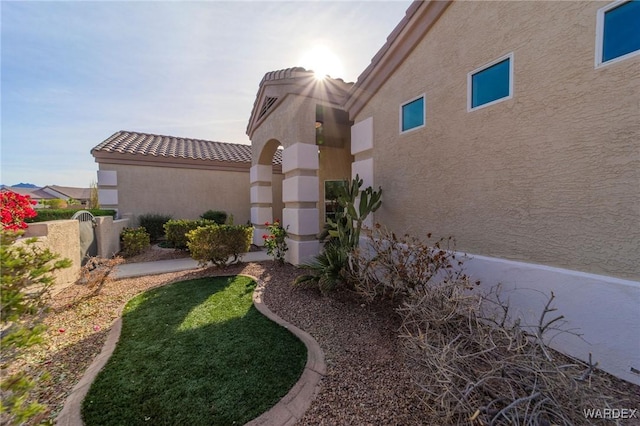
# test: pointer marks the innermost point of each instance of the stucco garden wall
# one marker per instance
(550, 176)
(108, 235)
(63, 238)
(180, 192)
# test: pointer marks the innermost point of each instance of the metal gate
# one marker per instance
(88, 243)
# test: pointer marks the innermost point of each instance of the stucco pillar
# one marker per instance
(362, 150)
(261, 200)
(108, 189)
(300, 194)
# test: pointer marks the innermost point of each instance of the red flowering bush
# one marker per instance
(275, 240)
(15, 208)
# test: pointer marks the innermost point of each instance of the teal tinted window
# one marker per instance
(490, 84)
(621, 33)
(413, 114)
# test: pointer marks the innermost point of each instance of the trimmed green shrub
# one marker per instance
(54, 203)
(154, 224)
(176, 230)
(59, 214)
(217, 216)
(217, 243)
(134, 241)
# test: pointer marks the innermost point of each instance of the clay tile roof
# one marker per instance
(135, 143)
(298, 81)
(286, 74)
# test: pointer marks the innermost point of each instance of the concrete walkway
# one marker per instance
(129, 270)
(287, 412)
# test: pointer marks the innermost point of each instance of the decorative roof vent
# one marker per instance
(268, 102)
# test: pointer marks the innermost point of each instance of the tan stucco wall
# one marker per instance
(182, 193)
(551, 176)
(108, 235)
(63, 238)
(292, 121)
(276, 187)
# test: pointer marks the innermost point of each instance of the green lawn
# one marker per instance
(195, 353)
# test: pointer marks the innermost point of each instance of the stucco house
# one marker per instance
(51, 192)
(81, 195)
(512, 126)
(140, 173)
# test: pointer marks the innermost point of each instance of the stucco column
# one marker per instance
(300, 194)
(108, 190)
(362, 150)
(261, 200)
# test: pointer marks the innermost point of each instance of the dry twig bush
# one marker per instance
(471, 363)
(390, 266)
(476, 370)
(95, 274)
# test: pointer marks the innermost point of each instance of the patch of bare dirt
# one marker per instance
(155, 252)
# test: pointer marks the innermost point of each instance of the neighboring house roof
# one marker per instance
(276, 85)
(125, 147)
(35, 193)
(50, 192)
(418, 20)
(68, 192)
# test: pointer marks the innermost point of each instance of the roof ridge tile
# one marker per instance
(148, 144)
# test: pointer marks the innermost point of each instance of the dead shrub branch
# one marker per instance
(471, 362)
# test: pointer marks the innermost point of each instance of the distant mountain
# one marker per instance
(25, 185)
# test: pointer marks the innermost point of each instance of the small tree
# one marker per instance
(25, 282)
(93, 196)
(55, 203)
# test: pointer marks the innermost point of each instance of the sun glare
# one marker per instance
(323, 62)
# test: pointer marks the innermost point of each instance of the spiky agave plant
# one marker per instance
(327, 268)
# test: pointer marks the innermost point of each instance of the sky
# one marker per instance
(75, 72)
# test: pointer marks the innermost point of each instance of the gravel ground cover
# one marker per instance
(366, 383)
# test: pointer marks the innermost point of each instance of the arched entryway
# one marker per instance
(302, 115)
(266, 188)
(300, 196)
